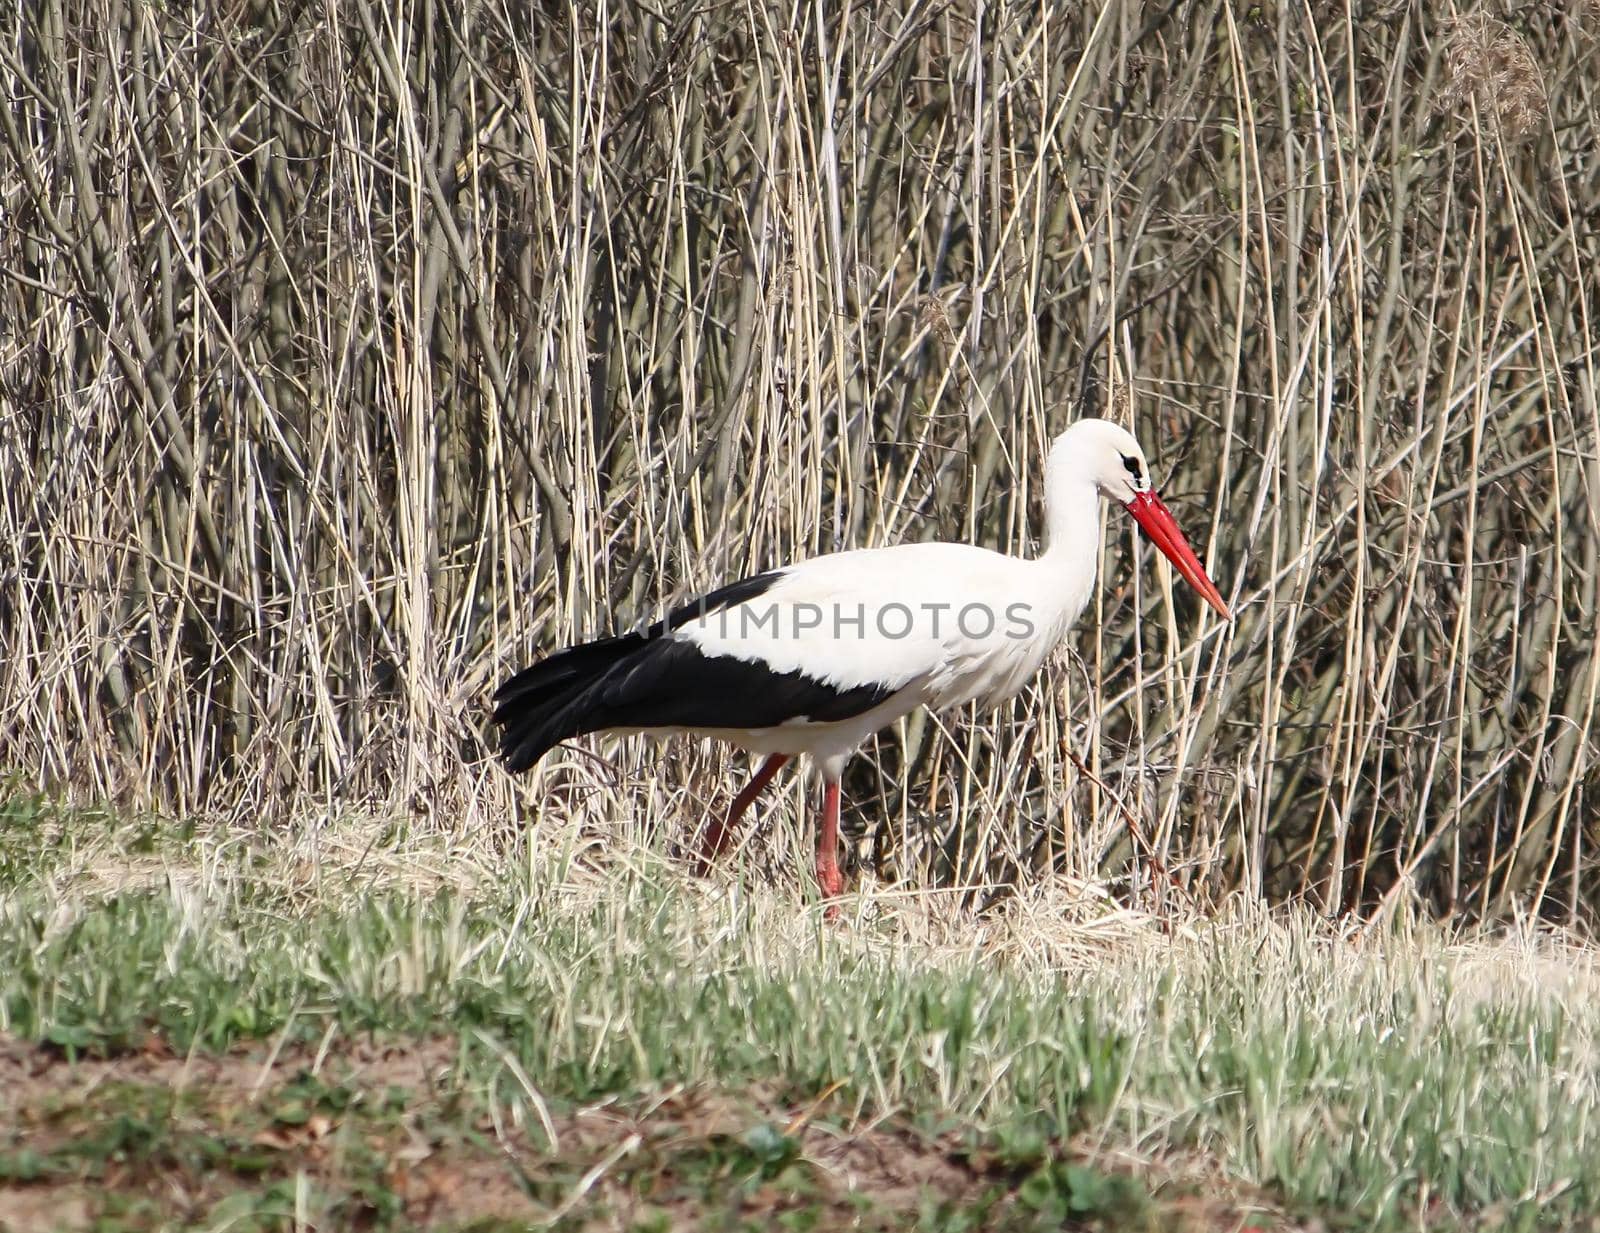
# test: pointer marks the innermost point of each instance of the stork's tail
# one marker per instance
(551, 701)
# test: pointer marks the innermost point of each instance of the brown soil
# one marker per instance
(382, 1136)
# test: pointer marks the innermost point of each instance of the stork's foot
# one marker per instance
(720, 831)
(712, 845)
(829, 880)
(716, 841)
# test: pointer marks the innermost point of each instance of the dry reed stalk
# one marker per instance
(350, 354)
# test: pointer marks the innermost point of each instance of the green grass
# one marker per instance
(1073, 1070)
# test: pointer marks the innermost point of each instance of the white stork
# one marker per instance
(813, 658)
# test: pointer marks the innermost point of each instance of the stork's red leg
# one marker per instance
(719, 831)
(828, 876)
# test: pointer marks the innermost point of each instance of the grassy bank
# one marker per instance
(220, 1019)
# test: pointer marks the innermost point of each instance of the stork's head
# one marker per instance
(1108, 456)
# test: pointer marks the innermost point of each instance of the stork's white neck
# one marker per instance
(1072, 532)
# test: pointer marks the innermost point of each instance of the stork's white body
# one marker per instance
(815, 657)
(939, 625)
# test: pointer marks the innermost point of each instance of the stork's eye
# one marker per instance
(1132, 464)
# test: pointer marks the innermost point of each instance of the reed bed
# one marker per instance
(351, 354)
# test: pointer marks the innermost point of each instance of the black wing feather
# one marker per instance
(647, 680)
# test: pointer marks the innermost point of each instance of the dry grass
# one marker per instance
(1052, 926)
(350, 355)
(1490, 68)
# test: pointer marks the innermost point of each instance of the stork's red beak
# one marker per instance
(1151, 513)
